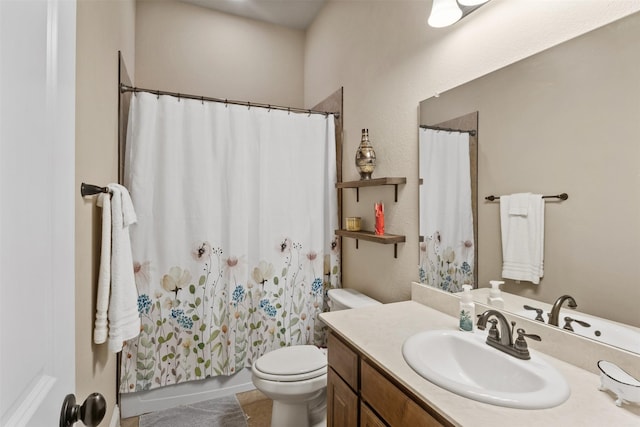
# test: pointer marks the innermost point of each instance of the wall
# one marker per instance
(188, 49)
(103, 28)
(388, 60)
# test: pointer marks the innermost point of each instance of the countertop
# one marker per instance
(379, 331)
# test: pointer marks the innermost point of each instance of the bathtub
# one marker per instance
(134, 404)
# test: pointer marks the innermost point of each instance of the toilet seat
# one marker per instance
(289, 364)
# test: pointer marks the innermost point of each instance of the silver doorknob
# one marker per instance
(91, 412)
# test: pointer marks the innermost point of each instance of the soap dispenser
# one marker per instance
(495, 296)
(467, 309)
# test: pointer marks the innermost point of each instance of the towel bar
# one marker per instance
(90, 189)
(563, 196)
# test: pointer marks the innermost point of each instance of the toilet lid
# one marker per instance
(351, 298)
(295, 363)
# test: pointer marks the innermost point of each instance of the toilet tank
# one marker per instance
(343, 299)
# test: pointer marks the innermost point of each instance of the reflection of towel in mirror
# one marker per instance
(522, 224)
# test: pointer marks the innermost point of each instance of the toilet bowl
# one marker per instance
(295, 377)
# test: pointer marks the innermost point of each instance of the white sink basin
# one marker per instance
(599, 329)
(463, 363)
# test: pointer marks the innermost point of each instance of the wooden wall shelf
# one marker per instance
(370, 236)
(395, 181)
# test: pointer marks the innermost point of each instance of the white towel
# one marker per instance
(104, 275)
(522, 224)
(519, 204)
(116, 266)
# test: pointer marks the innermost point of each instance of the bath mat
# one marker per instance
(223, 412)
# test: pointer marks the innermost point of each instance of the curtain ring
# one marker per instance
(178, 97)
(248, 106)
(158, 95)
(202, 100)
(225, 103)
(269, 110)
(289, 110)
(309, 113)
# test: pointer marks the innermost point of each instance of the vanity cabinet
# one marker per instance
(359, 394)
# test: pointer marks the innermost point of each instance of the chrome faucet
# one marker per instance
(503, 339)
(554, 315)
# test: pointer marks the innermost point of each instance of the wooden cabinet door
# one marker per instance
(342, 402)
(368, 418)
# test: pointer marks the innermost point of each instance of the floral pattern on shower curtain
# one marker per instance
(234, 249)
(446, 218)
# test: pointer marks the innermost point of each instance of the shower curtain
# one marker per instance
(234, 249)
(446, 218)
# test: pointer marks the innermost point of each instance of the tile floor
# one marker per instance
(256, 406)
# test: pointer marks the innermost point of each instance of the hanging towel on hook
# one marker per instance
(104, 274)
(120, 299)
(522, 226)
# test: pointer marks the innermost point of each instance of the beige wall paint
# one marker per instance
(388, 60)
(188, 49)
(103, 28)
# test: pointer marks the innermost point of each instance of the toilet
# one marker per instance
(295, 377)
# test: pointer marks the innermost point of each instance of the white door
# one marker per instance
(37, 144)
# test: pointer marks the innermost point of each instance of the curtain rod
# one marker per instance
(563, 196)
(470, 132)
(124, 88)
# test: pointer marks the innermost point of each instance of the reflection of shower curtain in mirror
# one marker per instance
(446, 218)
(234, 247)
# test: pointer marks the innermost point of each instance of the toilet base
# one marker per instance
(310, 414)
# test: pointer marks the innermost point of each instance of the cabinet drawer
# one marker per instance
(342, 402)
(343, 360)
(391, 403)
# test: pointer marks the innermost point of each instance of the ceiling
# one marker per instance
(296, 14)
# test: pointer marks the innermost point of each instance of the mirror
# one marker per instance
(566, 120)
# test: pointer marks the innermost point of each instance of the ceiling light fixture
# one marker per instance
(444, 13)
(448, 12)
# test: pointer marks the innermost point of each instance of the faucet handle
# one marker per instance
(568, 320)
(521, 344)
(493, 330)
(537, 310)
